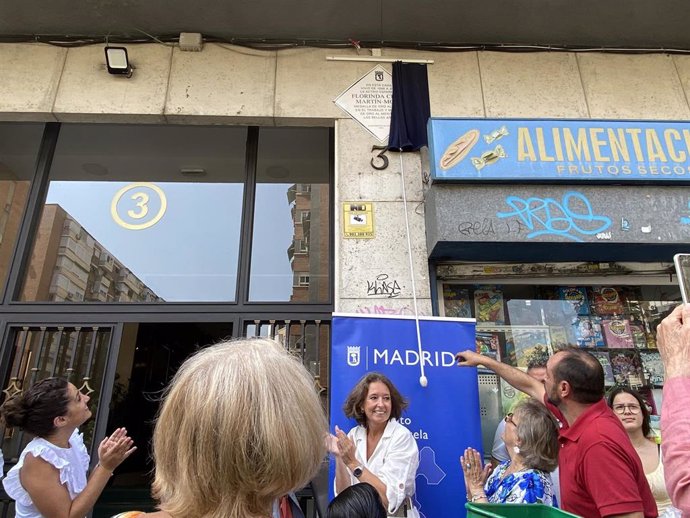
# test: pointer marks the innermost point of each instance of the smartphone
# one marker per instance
(682, 262)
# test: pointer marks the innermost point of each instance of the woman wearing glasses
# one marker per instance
(633, 412)
(531, 438)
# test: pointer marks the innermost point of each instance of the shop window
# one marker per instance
(18, 151)
(522, 322)
(292, 213)
(140, 214)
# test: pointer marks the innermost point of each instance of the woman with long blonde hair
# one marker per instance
(240, 426)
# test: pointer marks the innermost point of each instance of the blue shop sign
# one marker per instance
(559, 150)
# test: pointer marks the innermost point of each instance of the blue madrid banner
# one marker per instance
(559, 150)
(444, 417)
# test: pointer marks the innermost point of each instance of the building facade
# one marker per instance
(248, 148)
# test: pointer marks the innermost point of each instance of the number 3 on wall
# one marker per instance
(381, 156)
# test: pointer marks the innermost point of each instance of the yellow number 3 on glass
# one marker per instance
(140, 203)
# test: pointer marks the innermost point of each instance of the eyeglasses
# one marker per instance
(631, 408)
(509, 419)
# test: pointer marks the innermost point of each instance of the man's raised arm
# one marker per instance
(518, 379)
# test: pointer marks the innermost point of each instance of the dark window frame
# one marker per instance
(14, 309)
(240, 313)
(14, 312)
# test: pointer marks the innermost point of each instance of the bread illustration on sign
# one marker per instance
(459, 149)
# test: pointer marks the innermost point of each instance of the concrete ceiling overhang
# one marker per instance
(654, 24)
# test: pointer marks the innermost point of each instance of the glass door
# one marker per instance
(78, 353)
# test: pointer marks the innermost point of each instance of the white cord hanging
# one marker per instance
(422, 379)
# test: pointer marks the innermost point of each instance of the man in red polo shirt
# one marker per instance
(600, 473)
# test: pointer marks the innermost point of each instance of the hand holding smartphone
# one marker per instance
(682, 262)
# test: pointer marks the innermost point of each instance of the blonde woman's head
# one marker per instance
(240, 425)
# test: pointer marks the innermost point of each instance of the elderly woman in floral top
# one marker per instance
(531, 438)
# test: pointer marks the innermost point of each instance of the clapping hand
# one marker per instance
(475, 473)
(115, 449)
(345, 446)
(332, 444)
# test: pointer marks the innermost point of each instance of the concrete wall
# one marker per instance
(232, 85)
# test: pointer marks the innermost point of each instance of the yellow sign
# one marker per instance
(358, 220)
(141, 205)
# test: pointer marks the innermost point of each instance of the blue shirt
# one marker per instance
(530, 486)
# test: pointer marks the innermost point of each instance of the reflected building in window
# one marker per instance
(69, 265)
(309, 260)
(13, 196)
(309, 251)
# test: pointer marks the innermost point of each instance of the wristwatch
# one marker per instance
(357, 472)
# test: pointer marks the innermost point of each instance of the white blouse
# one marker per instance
(72, 462)
(394, 461)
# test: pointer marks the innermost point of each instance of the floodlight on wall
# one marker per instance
(117, 61)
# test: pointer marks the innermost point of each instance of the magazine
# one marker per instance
(617, 333)
(654, 312)
(577, 297)
(627, 368)
(605, 360)
(456, 302)
(488, 305)
(653, 367)
(606, 300)
(639, 336)
(597, 332)
(588, 331)
(507, 350)
(488, 343)
(532, 345)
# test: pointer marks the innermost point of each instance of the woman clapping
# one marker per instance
(50, 477)
(531, 438)
(379, 451)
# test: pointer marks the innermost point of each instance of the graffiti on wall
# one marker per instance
(490, 227)
(572, 217)
(383, 285)
(383, 310)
